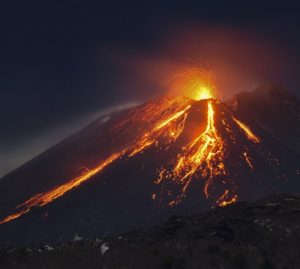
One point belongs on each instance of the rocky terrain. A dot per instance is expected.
(263, 234)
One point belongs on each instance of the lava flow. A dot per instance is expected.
(201, 157)
(247, 131)
(171, 126)
(160, 124)
(42, 199)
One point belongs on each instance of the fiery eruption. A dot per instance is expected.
(202, 157)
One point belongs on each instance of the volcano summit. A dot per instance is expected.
(168, 156)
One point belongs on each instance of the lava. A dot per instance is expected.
(171, 126)
(248, 161)
(247, 131)
(226, 199)
(173, 131)
(42, 199)
(203, 156)
(159, 124)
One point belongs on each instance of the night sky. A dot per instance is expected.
(64, 63)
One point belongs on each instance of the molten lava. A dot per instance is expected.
(201, 157)
(171, 126)
(42, 199)
(160, 124)
(247, 131)
(226, 199)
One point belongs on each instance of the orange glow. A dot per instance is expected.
(171, 126)
(194, 82)
(247, 159)
(168, 127)
(226, 200)
(15, 216)
(170, 119)
(42, 199)
(247, 131)
(203, 156)
(159, 124)
(203, 92)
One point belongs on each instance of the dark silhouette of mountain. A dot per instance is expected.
(275, 109)
(262, 234)
(172, 155)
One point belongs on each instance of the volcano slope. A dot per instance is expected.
(172, 155)
(276, 110)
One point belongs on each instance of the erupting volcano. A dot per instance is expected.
(180, 151)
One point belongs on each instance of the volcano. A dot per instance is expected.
(171, 155)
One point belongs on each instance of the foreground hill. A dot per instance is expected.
(263, 234)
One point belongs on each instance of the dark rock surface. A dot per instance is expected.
(263, 234)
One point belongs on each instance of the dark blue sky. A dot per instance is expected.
(57, 64)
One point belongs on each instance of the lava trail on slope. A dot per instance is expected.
(206, 156)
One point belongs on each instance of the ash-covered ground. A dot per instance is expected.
(263, 234)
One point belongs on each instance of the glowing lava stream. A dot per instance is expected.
(166, 127)
(225, 199)
(204, 156)
(42, 199)
(247, 131)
